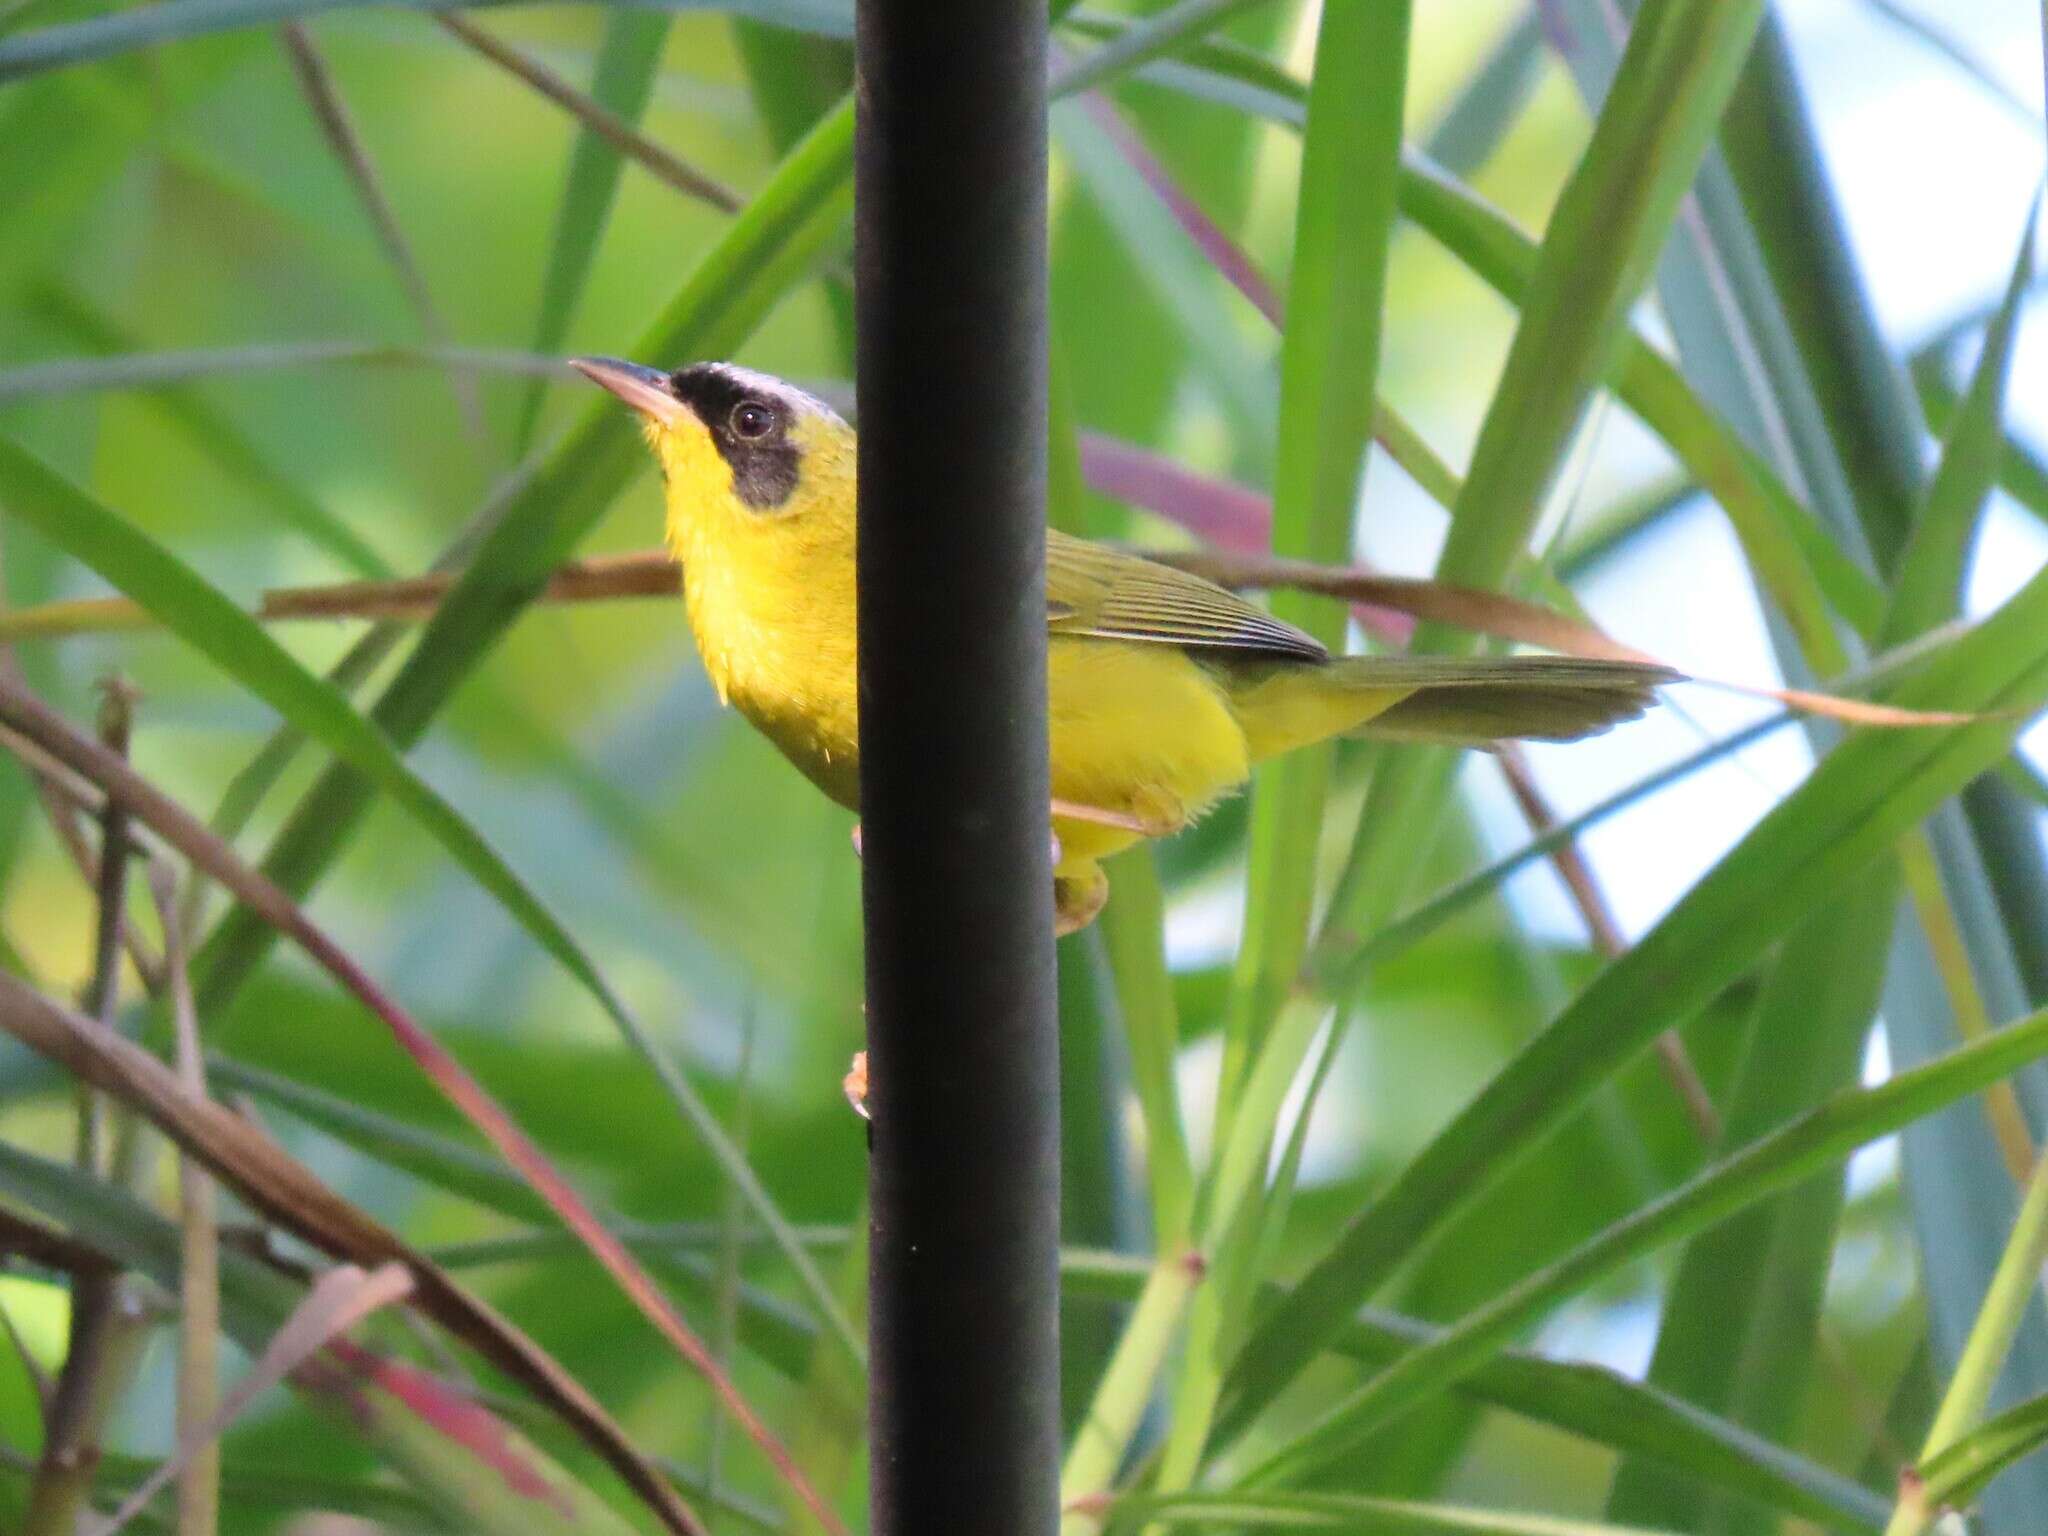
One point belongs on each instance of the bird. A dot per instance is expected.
(1164, 690)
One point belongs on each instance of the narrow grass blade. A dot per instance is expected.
(1607, 1408)
(2013, 1287)
(1354, 1512)
(248, 1162)
(1779, 535)
(1773, 153)
(1133, 931)
(1929, 588)
(1958, 1474)
(1739, 1325)
(627, 59)
(1813, 1142)
(1845, 816)
(1148, 38)
(1471, 128)
(455, 1451)
(1948, 48)
(1959, 1192)
(338, 1300)
(330, 111)
(166, 370)
(1104, 1434)
(594, 115)
(54, 1031)
(1329, 367)
(797, 79)
(1610, 222)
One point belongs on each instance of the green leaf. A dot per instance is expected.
(1133, 934)
(1957, 1475)
(1600, 1406)
(1607, 1408)
(1610, 222)
(1961, 1193)
(1845, 816)
(1329, 369)
(1774, 156)
(1352, 1512)
(627, 59)
(1738, 1332)
(797, 79)
(451, 1468)
(1470, 129)
(1794, 556)
(1929, 587)
(1147, 38)
(1813, 1142)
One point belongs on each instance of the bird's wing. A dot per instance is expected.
(1091, 590)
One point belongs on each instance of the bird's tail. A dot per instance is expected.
(1456, 700)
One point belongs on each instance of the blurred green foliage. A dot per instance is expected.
(182, 198)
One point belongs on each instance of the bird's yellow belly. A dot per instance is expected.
(1138, 731)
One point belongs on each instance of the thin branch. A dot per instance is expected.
(646, 573)
(108, 1322)
(102, 994)
(600, 120)
(21, 1238)
(199, 1271)
(68, 797)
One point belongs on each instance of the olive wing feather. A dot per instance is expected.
(1105, 593)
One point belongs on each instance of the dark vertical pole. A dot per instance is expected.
(950, 253)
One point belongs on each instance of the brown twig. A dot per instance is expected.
(21, 1238)
(283, 1189)
(68, 800)
(603, 122)
(108, 1322)
(199, 1258)
(110, 890)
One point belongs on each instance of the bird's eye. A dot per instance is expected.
(751, 419)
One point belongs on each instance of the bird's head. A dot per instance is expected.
(735, 446)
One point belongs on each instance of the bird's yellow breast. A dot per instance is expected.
(1136, 729)
(771, 604)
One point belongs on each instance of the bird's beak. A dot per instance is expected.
(644, 389)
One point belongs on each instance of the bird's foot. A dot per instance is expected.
(855, 1084)
(1162, 822)
(1077, 898)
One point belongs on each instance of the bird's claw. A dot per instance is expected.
(855, 1085)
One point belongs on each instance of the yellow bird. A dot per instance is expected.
(1165, 690)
